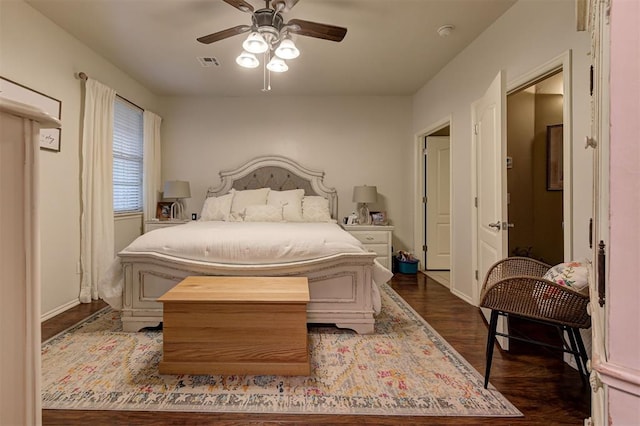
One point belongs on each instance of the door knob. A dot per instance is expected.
(496, 225)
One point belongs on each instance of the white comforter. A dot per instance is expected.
(242, 243)
(248, 242)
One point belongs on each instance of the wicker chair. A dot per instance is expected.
(514, 287)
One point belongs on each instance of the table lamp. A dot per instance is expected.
(363, 195)
(177, 190)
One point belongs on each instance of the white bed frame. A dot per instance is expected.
(340, 286)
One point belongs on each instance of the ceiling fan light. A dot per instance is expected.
(255, 43)
(277, 65)
(247, 60)
(287, 49)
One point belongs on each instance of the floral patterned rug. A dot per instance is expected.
(404, 368)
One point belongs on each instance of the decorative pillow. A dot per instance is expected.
(249, 197)
(289, 201)
(217, 208)
(263, 213)
(315, 209)
(573, 275)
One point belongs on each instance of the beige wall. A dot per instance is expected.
(37, 53)
(547, 205)
(525, 37)
(520, 136)
(355, 140)
(535, 212)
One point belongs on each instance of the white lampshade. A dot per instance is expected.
(287, 49)
(247, 60)
(177, 189)
(277, 65)
(255, 43)
(365, 194)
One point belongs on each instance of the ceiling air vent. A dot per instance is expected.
(208, 61)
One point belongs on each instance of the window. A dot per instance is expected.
(127, 157)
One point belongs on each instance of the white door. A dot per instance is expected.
(438, 203)
(489, 135)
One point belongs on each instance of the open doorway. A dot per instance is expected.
(437, 205)
(535, 187)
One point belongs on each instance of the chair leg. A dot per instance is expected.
(577, 353)
(583, 352)
(493, 324)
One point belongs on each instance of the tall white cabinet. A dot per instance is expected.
(20, 263)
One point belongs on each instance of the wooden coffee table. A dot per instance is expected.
(236, 325)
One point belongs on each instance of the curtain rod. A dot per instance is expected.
(83, 76)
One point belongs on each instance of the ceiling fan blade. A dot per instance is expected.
(220, 35)
(240, 5)
(283, 5)
(317, 30)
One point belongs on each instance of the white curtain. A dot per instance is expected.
(152, 182)
(96, 228)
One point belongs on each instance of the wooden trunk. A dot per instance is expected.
(236, 325)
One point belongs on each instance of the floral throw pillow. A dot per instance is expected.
(573, 275)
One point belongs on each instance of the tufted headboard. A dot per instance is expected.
(278, 173)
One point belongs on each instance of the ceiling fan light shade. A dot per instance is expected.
(247, 60)
(287, 49)
(255, 43)
(277, 65)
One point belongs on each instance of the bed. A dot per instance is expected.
(342, 274)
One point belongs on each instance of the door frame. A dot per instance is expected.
(419, 215)
(563, 62)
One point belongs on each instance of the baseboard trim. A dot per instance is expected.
(60, 309)
(462, 296)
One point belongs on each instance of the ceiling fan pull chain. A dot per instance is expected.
(266, 74)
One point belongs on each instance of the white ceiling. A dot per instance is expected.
(391, 48)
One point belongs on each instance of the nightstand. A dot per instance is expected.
(375, 239)
(150, 225)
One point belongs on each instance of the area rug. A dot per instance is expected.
(404, 368)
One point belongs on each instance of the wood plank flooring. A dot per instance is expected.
(536, 380)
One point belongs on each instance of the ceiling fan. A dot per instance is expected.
(270, 33)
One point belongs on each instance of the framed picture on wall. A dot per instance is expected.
(554, 158)
(49, 138)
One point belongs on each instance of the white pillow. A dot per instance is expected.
(217, 208)
(315, 209)
(248, 197)
(263, 213)
(289, 201)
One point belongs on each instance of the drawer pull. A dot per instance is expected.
(370, 238)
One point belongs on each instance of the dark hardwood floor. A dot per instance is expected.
(536, 380)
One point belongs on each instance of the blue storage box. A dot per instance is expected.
(407, 266)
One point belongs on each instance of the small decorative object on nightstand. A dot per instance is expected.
(376, 239)
(363, 195)
(150, 225)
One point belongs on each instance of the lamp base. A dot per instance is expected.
(364, 216)
(177, 210)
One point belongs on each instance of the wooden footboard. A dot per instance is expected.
(340, 286)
